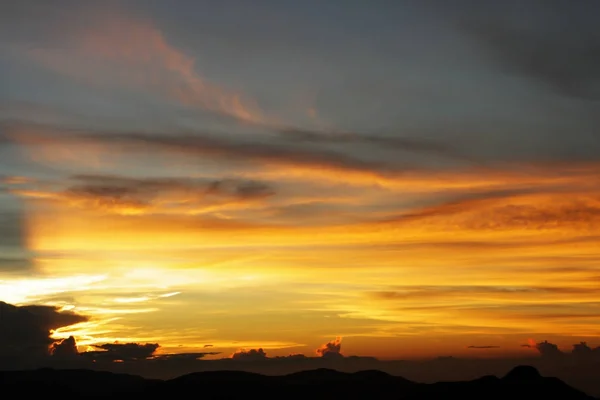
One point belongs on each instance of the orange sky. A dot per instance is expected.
(196, 214)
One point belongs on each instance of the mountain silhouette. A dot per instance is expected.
(522, 382)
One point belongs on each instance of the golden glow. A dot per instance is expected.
(499, 266)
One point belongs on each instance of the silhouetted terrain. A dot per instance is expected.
(522, 382)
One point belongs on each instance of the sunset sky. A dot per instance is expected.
(415, 177)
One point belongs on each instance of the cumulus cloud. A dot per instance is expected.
(331, 349)
(583, 353)
(64, 348)
(548, 350)
(250, 355)
(25, 330)
(123, 351)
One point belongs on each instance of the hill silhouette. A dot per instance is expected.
(521, 383)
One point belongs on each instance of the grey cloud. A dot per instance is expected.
(551, 48)
(195, 144)
(139, 191)
(12, 229)
(234, 149)
(397, 143)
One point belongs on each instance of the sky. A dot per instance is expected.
(417, 178)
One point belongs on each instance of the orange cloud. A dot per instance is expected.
(330, 348)
(121, 50)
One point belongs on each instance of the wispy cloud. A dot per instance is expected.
(120, 50)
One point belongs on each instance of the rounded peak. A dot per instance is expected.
(523, 373)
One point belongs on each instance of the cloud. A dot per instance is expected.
(208, 345)
(15, 257)
(145, 195)
(475, 292)
(249, 355)
(14, 180)
(483, 347)
(25, 330)
(123, 51)
(560, 54)
(548, 350)
(184, 356)
(64, 348)
(123, 351)
(522, 209)
(331, 349)
(263, 153)
(396, 143)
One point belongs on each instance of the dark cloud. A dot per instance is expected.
(397, 143)
(208, 345)
(233, 149)
(249, 355)
(140, 192)
(331, 349)
(64, 348)
(483, 347)
(548, 350)
(261, 149)
(25, 331)
(582, 353)
(123, 351)
(184, 356)
(554, 45)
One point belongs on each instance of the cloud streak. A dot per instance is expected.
(127, 195)
(122, 50)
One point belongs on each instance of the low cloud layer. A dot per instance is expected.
(124, 351)
(249, 355)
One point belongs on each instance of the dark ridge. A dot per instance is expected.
(521, 383)
(319, 374)
(218, 376)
